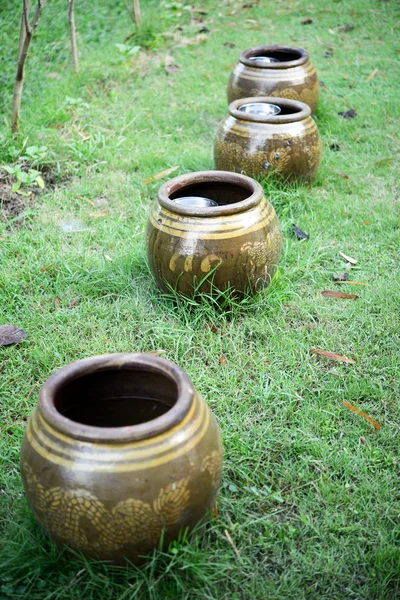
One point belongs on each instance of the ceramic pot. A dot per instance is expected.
(120, 450)
(291, 76)
(287, 145)
(234, 245)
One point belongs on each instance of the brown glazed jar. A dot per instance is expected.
(120, 449)
(291, 76)
(287, 145)
(234, 245)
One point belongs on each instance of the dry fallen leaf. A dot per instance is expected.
(342, 175)
(332, 356)
(362, 414)
(348, 114)
(340, 276)
(74, 302)
(46, 267)
(301, 235)
(9, 334)
(353, 282)
(353, 261)
(333, 294)
(363, 440)
(56, 303)
(160, 175)
(222, 360)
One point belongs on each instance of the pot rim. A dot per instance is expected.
(260, 50)
(116, 435)
(304, 110)
(179, 183)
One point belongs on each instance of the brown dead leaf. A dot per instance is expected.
(215, 510)
(372, 75)
(160, 175)
(46, 267)
(362, 414)
(363, 440)
(74, 302)
(342, 175)
(211, 327)
(333, 294)
(332, 356)
(353, 261)
(222, 360)
(9, 334)
(156, 352)
(56, 303)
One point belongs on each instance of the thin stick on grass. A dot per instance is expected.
(230, 540)
(26, 34)
(72, 29)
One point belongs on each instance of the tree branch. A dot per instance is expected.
(74, 48)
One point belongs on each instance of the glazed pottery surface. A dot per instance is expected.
(235, 245)
(120, 450)
(287, 145)
(293, 76)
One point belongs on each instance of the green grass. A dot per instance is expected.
(310, 491)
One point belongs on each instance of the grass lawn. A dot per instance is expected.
(309, 502)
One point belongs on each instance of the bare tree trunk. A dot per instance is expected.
(74, 48)
(136, 12)
(27, 30)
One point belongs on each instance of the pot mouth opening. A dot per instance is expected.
(280, 57)
(226, 192)
(289, 110)
(116, 398)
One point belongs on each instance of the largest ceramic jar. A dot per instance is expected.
(234, 245)
(290, 74)
(285, 145)
(120, 451)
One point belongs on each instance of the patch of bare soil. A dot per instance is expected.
(13, 204)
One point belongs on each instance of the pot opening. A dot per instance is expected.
(277, 54)
(221, 192)
(290, 110)
(116, 397)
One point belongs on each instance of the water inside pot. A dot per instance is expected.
(260, 108)
(195, 201)
(264, 60)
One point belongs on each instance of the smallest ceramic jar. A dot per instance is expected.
(279, 71)
(282, 140)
